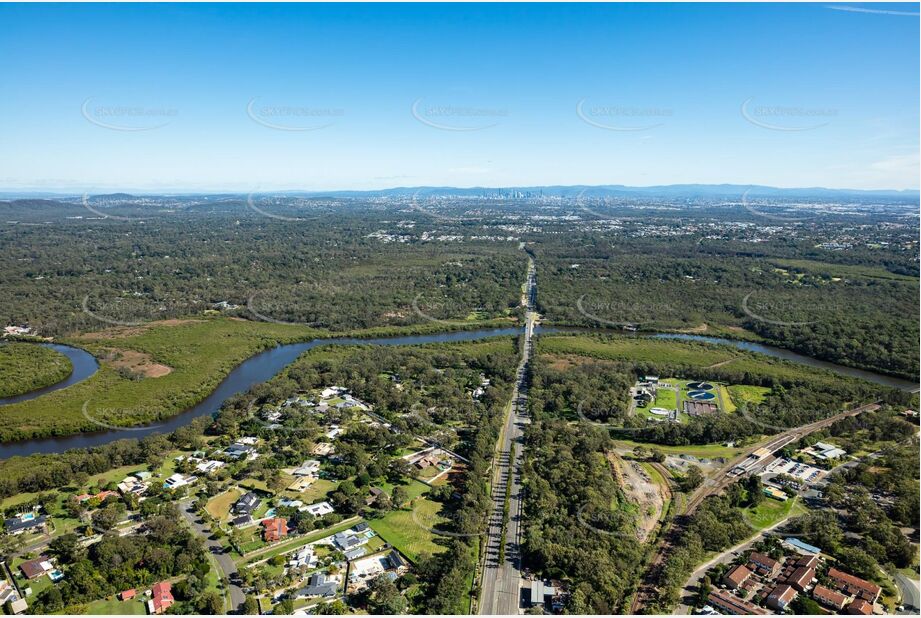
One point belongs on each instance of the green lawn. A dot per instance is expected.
(770, 511)
(400, 529)
(219, 506)
(113, 607)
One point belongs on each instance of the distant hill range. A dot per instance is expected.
(724, 191)
(686, 191)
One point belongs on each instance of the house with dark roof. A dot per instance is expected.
(246, 504)
(810, 561)
(25, 523)
(33, 569)
(318, 586)
(396, 560)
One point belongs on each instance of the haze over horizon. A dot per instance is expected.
(222, 98)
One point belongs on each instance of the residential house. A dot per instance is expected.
(304, 557)
(731, 604)
(737, 576)
(309, 468)
(100, 497)
(780, 597)
(318, 586)
(347, 540)
(207, 467)
(132, 485)
(320, 509)
(810, 561)
(241, 451)
(246, 504)
(33, 569)
(853, 585)
(178, 480)
(127, 595)
(374, 494)
(764, 564)
(829, 597)
(275, 529)
(161, 598)
(860, 607)
(25, 522)
(322, 449)
(801, 578)
(354, 554)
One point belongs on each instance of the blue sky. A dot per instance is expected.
(264, 97)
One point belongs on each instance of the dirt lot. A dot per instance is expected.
(137, 363)
(121, 332)
(640, 489)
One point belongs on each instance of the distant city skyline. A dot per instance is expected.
(239, 98)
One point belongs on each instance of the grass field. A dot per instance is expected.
(703, 451)
(771, 511)
(403, 530)
(219, 506)
(114, 607)
(315, 493)
(748, 394)
(25, 367)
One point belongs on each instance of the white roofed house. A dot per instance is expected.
(320, 509)
(309, 468)
(207, 467)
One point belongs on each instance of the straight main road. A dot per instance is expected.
(224, 562)
(501, 578)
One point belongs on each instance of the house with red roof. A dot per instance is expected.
(275, 529)
(161, 598)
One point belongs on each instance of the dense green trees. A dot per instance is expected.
(851, 308)
(25, 367)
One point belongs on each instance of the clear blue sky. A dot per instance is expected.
(785, 95)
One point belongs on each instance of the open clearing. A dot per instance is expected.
(640, 489)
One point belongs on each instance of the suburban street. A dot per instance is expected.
(224, 562)
(501, 578)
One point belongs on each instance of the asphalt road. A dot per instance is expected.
(501, 580)
(911, 597)
(224, 562)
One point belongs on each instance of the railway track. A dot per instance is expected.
(718, 482)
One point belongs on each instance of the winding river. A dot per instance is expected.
(264, 365)
(84, 366)
(257, 368)
(769, 350)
